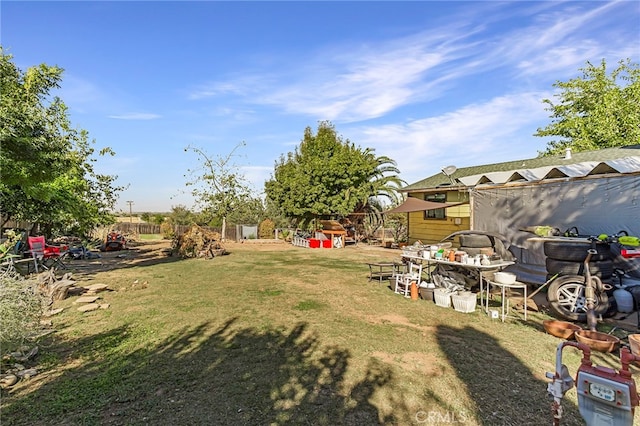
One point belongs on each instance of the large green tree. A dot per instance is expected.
(327, 175)
(47, 166)
(596, 110)
(34, 129)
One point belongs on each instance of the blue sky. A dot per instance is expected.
(428, 84)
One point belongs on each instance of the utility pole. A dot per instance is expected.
(130, 212)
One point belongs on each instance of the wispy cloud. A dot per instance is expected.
(427, 144)
(352, 83)
(364, 88)
(559, 41)
(136, 116)
(242, 85)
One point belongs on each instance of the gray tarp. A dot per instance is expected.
(598, 205)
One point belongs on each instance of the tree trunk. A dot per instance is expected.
(223, 232)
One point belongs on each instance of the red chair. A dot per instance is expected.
(45, 255)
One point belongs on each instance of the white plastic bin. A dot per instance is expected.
(464, 302)
(442, 297)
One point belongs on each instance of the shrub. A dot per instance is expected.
(166, 229)
(266, 229)
(21, 308)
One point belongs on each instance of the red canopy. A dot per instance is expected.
(412, 204)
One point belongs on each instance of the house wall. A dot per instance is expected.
(429, 231)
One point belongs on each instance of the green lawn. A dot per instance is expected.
(271, 335)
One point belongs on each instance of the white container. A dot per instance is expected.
(504, 278)
(464, 302)
(442, 297)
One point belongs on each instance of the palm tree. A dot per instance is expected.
(383, 183)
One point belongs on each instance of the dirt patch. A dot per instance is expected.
(136, 254)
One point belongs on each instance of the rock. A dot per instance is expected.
(85, 299)
(97, 288)
(89, 307)
(25, 374)
(53, 312)
(75, 291)
(8, 380)
(104, 306)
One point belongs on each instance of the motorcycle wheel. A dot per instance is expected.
(566, 299)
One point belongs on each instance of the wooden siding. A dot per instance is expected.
(434, 230)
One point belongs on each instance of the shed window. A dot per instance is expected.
(437, 213)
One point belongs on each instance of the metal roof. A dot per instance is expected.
(580, 164)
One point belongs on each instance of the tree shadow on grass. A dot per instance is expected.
(498, 383)
(112, 261)
(201, 376)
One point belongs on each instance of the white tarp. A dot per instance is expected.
(586, 168)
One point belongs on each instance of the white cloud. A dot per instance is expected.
(350, 83)
(241, 85)
(474, 134)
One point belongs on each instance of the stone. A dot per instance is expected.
(89, 307)
(8, 380)
(86, 299)
(53, 312)
(104, 306)
(25, 374)
(96, 288)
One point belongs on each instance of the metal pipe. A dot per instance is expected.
(589, 291)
